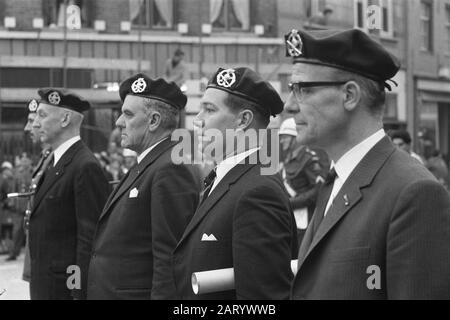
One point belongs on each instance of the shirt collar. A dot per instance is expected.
(59, 152)
(348, 162)
(229, 163)
(147, 151)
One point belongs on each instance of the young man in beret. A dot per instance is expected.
(244, 220)
(148, 211)
(381, 228)
(68, 200)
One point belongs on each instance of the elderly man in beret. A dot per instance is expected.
(244, 220)
(148, 211)
(68, 200)
(38, 170)
(381, 228)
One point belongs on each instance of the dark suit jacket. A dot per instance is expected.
(136, 236)
(251, 218)
(65, 212)
(396, 218)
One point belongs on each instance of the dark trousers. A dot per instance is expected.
(18, 238)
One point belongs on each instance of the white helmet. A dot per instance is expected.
(288, 127)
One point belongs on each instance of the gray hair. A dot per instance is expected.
(373, 93)
(170, 116)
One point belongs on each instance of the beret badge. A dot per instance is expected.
(226, 78)
(294, 44)
(54, 98)
(32, 106)
(139, 86)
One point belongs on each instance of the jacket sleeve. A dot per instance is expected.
(91, 191)
(263, 238)
(418, 251)
(174, 198)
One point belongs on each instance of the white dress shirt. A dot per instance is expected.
(229, 163)
(147, 151)
(59, 152)
(349, 161)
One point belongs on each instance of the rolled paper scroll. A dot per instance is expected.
(219, 280)
(20, 195)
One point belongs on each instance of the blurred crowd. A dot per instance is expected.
(303, 169)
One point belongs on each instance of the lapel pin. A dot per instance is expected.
(346, 201)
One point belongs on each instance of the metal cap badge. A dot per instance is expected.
(226, 78)
(33, 105)
(54, 98)
(294, 44)
(139, 86)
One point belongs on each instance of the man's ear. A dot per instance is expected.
(154, 121)
(352, 95)
(66, 119)
(245, 118)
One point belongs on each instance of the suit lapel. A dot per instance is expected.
(42, 159)
(348, 196)
(53, 174)
(136, 172)
(221, 189)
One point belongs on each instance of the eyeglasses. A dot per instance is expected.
(298, 88)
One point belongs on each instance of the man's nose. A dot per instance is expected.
(35, 124)
(119, 122)
(198, 121)
(291, 105)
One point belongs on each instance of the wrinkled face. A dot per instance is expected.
(214, 114)
(401, 144)
(29, 128)
(133, 123)
(318, 111)
(48, 123)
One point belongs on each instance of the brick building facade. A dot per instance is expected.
(119, 37)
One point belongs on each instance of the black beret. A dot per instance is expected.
(350, 50)
(142, 86)
(247, 84)
(58, 97)
(32, 106)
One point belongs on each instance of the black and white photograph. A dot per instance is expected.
(192, 151)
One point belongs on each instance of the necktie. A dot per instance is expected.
(208, 183)
(46, 166)
(324, 195)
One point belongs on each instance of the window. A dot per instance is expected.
(151, 13)
(447, 28)
(387, 18)
(315, 7)
(426, 18)
(77, 17)
(360, 14)
(230, 14)
(390, 111)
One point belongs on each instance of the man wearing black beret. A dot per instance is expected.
(381, 227)
(68, 200)
(244, 220)
(42, 164)
(148, 211)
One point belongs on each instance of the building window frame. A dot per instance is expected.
(447, 28)
(52, 14)
(426, 20)
(387, 18)
(360, 14)
(225, 14)
(148, 21)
